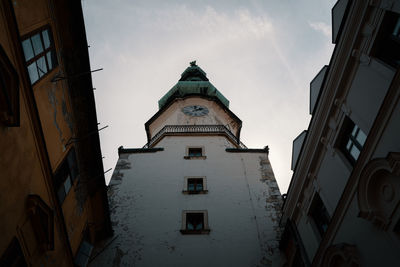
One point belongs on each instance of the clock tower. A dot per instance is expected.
(193, 106)
(194, 194)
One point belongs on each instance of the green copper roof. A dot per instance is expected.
(193, 81)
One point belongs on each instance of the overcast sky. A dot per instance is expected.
(261, 55)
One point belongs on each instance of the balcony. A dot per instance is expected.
(194, 129)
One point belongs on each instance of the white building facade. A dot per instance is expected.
(343, 204)
(194, 195)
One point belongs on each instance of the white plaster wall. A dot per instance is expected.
(146, 204)
(390, 138)
(367, 92)
(375, 247)
(332, 178)
(308, 235)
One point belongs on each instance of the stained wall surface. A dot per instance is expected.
(146, 202)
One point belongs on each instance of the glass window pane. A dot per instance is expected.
(191, 187)
(354, 152)
(190, 226)
(81, 260)
(61, 194)
(49, 60)
(67, 184)
(354, 132)
(195, 152)
(199, 226)
(199, 187)
(33, 74)
(396, 30)
(361, 137)
(28, 51)
(37, 44)
(46, 39)
(85, 248)
(73, 167)
(348, 146)
(41, 64)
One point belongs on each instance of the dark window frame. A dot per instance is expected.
(192, 219)
(42, 220)
(195, 152)
(9, 92)
(51, 50)
(195, 182)
(396, 228)
(349, 140)
(66, 175)
(387, 45)
(85, 250)
(13, 255)
(319, 215)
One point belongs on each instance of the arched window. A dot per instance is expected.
(379, 191)
(41, 217)
(341, 255)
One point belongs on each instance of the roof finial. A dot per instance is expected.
(193, 63)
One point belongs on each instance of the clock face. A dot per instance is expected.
(195, 111)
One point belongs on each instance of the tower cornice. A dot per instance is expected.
(206, 97)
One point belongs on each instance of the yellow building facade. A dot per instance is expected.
(53, 203)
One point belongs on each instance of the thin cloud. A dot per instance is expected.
(216, 24)
(257, 59)
(322, 27)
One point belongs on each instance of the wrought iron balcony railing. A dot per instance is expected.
(178, 129)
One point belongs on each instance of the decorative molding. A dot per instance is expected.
(332, 124)
(337, 102)
(346, 109)
(42, 219)
(386, 4)
(316, 185)
(360, 56)
(356, 53)
(324, 141)
(379, 190)
(341, 255)
(327, 145)
(365, 59)
(383, 4)
(368, 30)
(193, 129)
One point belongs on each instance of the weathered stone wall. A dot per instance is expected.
(146, 202)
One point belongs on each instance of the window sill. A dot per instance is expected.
(202, 192)
(194, 157)
(195, 232)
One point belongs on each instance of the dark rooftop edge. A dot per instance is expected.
(122, 150)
